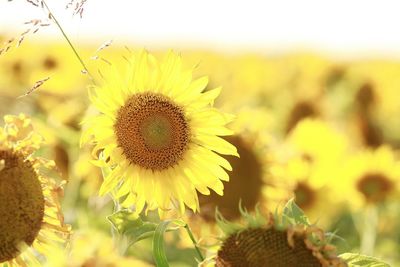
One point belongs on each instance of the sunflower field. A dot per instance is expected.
(116, 155)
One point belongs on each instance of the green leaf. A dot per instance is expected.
(293, 215)
(131, 225)
(357, 260)
(158, 245)
(158, 241)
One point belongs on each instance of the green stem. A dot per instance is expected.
(189, 231)
(368, 237)
(68, 40)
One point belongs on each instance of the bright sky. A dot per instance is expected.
(342, 26)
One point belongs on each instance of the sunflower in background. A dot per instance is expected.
(57, 61)
(15, 69)
(306, 168)
(375, 101)
(62, 100)
(32, 221)
(159, 134)
(371, 177)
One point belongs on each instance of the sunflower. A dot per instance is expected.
(370, 177)
(32, 221)
(54, 60)
(159, 133)
(265, 241)
(305, 166)
(299, 178)
(15, 69)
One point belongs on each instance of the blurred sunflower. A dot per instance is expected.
(371, 177)
(55, 61)
(305, 166)
(159, 134)
(32, 221)
(249, 172)
(15, 69)
(265, 241)
(378, 86)
(298, 178)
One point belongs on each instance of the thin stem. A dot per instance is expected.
(194, 242)
(368, 236)
(51, 15)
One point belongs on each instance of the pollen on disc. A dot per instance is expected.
(21, 204)
(152, 131)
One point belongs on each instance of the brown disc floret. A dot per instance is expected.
(152, 131)
(21, 204)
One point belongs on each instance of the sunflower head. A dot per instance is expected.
(370, 176)
(272, 241)
(158, 134)
(305, 175)
(29, 208)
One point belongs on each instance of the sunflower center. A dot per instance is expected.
(49, 63)
(304, 195)
(264, 247)
(245, 184)
(152, 131)
(374, 186)
(21, 204)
